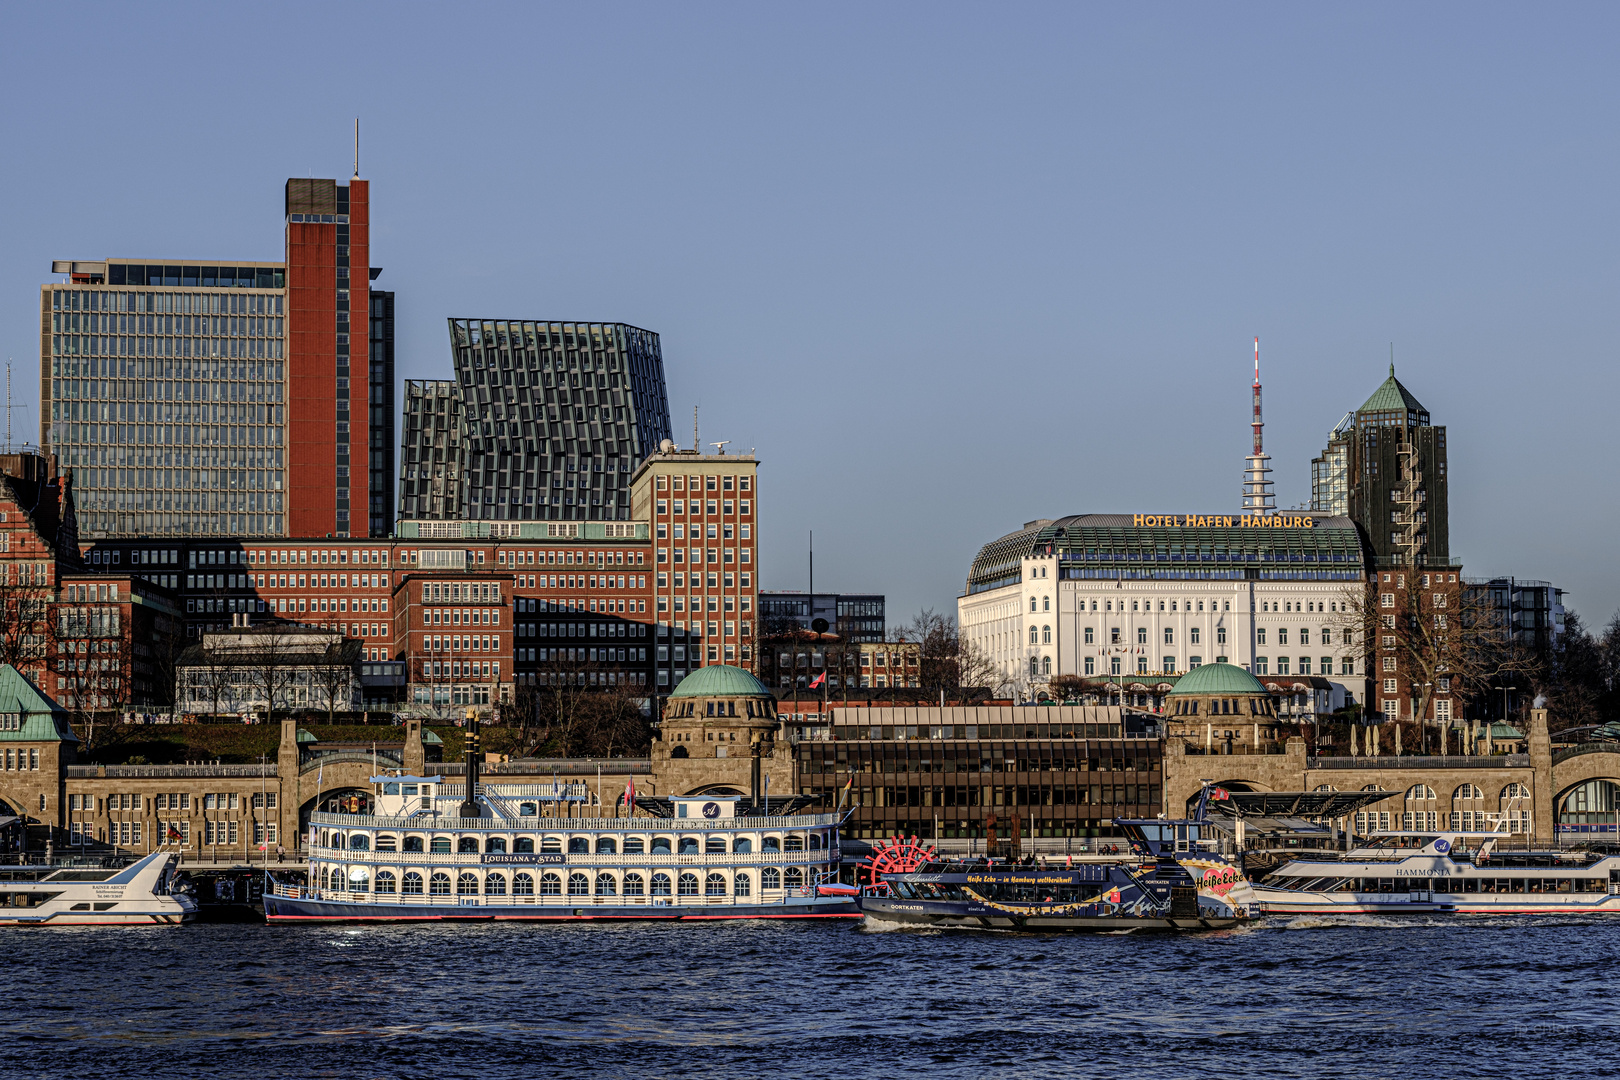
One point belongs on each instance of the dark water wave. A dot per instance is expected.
(1362, 998)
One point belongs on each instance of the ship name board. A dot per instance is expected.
(530, 860)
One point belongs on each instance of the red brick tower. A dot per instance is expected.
(328, 305)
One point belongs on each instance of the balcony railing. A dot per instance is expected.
(471, 859)
(442, 823)
(84, 772)
(1419, 761)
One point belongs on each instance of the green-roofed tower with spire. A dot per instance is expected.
(1385, 467)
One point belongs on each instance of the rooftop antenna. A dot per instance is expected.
(720, 446)
(1392, 359)
(357, 148)
(1257, 495)
(694, 429)
(8, 405)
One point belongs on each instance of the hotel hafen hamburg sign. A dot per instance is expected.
(1223, 521)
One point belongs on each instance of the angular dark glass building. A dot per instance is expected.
(555, 416)
(430, 480)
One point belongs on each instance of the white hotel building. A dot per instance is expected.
(1134, 598)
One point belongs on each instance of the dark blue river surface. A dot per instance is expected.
(1283, 998)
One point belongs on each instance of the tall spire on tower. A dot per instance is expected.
(1257, 495)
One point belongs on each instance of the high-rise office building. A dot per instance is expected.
(328, 291)
(194, 396)
(554, 418)
(1385, 466)
(163, 386)
(704, 587)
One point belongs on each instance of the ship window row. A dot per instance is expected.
(1518, 885)
(576, 845)
(551, 883)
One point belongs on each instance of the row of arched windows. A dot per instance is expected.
(577, 845)
(359, 880)
(1465, 793)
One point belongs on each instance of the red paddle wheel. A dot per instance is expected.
(897, 855)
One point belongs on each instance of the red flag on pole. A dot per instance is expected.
(818, 680)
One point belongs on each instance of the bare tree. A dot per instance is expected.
(1426, 635)
(947, 660)
(580, 706)
(26, 634)
(334, 675)
(275, 659)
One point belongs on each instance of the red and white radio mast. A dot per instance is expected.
(1257, 494)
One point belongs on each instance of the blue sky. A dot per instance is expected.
(946, 267)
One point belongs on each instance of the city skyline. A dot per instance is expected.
(1138, 231)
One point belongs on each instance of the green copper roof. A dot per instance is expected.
(721, 680)
(1392, 397)
(304, 737)
(1216, 679)
(40, 719)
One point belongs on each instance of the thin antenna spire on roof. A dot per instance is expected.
(1257, 495)
(694, 429)
(1392, 359)
(357, 148)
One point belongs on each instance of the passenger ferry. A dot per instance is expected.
(430, 853)
(1174, 881)
(1415, 873)
(146, 892)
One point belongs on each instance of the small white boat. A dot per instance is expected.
(143, 893)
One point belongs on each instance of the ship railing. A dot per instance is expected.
(558, 824)
(561, 900)
(403, 858)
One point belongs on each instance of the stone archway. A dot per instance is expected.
(344, 800)
(1588, 809)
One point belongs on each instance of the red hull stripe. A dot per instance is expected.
(537, 918)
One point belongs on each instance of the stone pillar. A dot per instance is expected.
(414, 757)
(287, 777)
(1541, 789)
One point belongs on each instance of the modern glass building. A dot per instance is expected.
(555, 416)
(430, 480)
(164, 388)
(194, 397)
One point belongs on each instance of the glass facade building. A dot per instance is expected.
(554, 418)
(193, 398)
(164, 388)
(430, 475)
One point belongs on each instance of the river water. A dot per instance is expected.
(1357, 998)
